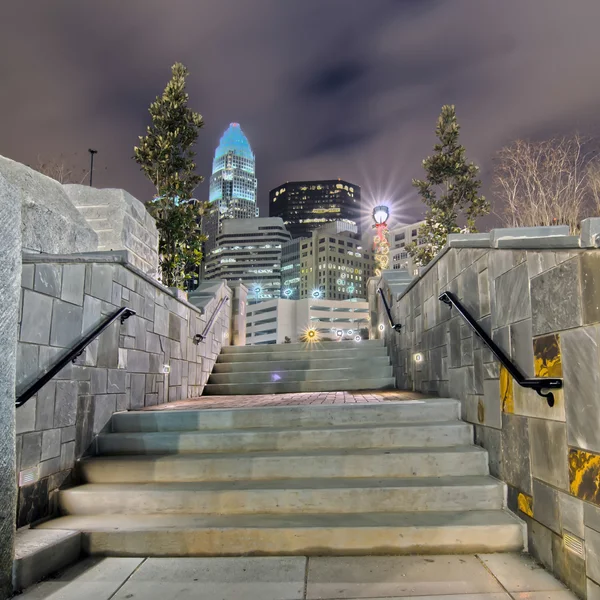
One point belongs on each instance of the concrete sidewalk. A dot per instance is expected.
(459, 577)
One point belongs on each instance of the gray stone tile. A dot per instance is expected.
(549, 452)
(499, 262)
(48, 279)
(521, 345)
(104, 407)
(50, 443)
(478, 372)
(92, 312)
(25, 416)
(568, 567)
(138, 361)
(27, 364)
(540, 261)
(138, 389)
(161, 320)
(68, 434)
(108, 344)
(581, 371)
(251, 578)
(512, 301)
(502, 339)
(545, 506)
(518, 573)
(540, 543)
(27, 272)
(31, 449)
(591, 516)
(590, 286)
(116, 381)
(592, 551)
(555, 299)
(67, 322)
(454, 342)
(571, 514)
(492, 408)
(102, 278)
(67, 456)
(466, 351)
(72, 284)
(515, 467)
(49, 467)
(37, 316)
(491, 440)
(98, 381)
(65, 406)
(389, 576)
(484, 293)
(44, 410)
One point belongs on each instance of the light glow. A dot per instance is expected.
(418, 357)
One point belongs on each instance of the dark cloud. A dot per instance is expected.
(323, 88)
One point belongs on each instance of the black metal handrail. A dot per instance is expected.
(200, 337)
(123, 313)
(397, 327)
(542, 385)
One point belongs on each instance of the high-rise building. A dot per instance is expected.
(307, 205)
(232, 183)
(401, 236)
(249, 250)
(331, 264)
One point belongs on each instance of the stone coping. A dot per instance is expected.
(117, 257)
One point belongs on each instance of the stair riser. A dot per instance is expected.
(350, 385)
(283, 501)
(284, 417)
(347, 345)
(268, 375)
(306, 365)
(383, 437)
(268, 356)
(175, 469)
(315, 541)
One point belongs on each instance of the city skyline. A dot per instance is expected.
(358, 102)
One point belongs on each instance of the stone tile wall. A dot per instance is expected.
(543, 308)
(63, 298)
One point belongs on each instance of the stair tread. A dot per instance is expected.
(346, 427)
(290, 484)
(284, 454)
(133, 522)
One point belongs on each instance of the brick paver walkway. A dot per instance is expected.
(361, 397)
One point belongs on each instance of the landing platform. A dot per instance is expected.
(297, 399)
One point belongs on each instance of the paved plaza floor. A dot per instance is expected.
(459, 577)
(244, 401)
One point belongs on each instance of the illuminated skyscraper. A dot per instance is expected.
(232, 183)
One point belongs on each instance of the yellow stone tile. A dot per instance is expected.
(525, 503)
(584, 475)
(547, 357)
(506, 391)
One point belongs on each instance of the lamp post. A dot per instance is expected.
(92, 152)
(381, 215)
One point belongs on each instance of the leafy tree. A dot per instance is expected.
(165, 155)
(450, 190)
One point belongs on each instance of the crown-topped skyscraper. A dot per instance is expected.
(232, 183)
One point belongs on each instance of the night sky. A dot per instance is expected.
(322, 88)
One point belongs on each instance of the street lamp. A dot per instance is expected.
(92, 152)
(381, 214)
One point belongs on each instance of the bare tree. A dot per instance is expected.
(593, 174)
(61, 170)
(545, 183)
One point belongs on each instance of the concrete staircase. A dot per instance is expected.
(315, 367)
(388, 478)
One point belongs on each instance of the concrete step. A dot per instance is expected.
(445, 434)
(302, 535)
(350, 344)
(305, 496)
(297, 387)
(268, 355)
(365, 370)
(295, 364)
(327, 464)
(410, 411)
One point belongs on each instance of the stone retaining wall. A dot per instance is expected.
(64, 297)
(539, 299)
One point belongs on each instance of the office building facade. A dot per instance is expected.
(249, 250)
(232, 183)
(272, 321)
(400, 237)
(331, 264)
(307, 205)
